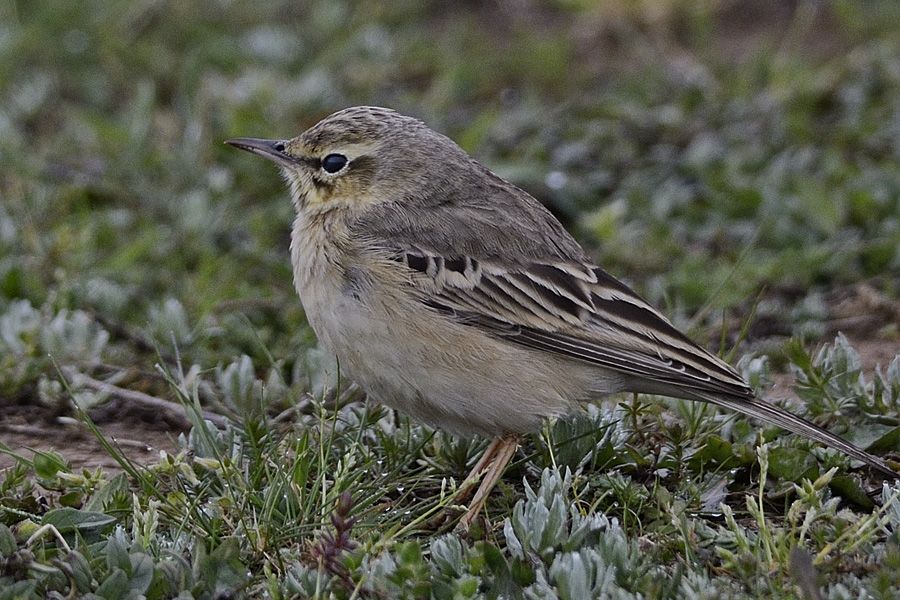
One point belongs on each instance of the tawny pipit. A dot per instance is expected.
(455, 297)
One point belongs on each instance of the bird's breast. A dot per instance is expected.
(411, 357)
(317, 261)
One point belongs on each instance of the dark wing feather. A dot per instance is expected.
(510, 269)
(577, 311)
(583, 313)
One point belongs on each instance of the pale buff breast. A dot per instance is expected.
(415, 360)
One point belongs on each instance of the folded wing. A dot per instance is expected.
(573, 309)
(579, 311)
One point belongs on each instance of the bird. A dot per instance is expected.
(457, 298)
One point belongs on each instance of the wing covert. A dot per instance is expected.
(572, 309)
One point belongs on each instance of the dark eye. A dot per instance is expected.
(334, 163)
(278, 146)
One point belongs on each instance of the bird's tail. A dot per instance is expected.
(770, 413)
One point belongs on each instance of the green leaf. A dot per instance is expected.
(80, 570)
(522, 572)
(888, 442)
(848, 488)
(717, 451)
(410, 553)
(105, 494)
(73, 499)
(467, 586)
(115, 586)
(791, 464)
(141, 573)
(797, 353)
(221, 570)
(19, 590)
(67, 520)
(7, 542)
(494, 559)
(503, 584)
(117, 555)
(48, 464)
(168, 577)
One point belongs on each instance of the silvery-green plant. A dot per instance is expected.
(581, 574)
(547, 522)
(73, 336)
(32, 340)
(886, 389)
(246, 394)
(106, 296)
(65, 335)
(168, 323)
(833, 380)
(755, 370)
(240, 389)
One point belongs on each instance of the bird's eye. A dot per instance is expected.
(334, 163)
(278, 146)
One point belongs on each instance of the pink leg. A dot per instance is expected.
(502, 450)
(474, 475)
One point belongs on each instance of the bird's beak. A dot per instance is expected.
(271, 149)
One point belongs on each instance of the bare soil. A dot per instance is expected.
(33, 428)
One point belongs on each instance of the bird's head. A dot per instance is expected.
(360, 156)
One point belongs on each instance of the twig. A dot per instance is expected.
(171, 409)
(23, 429)
(41, 432)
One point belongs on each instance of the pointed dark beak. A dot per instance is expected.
(271, 149)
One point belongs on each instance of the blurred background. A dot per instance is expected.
(737, 162)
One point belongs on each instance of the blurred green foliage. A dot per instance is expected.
(774, 168)
(724, 157)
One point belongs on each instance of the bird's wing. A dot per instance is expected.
(581, 312)
(510, 268)
(572, 309)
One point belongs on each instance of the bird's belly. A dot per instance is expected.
(448, 375)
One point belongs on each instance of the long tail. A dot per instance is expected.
(770, 413)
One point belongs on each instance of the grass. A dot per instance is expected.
(340, 503)
(755, 169)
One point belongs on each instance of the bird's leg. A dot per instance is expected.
(465, 489)
(502, 450)
(468, 484)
